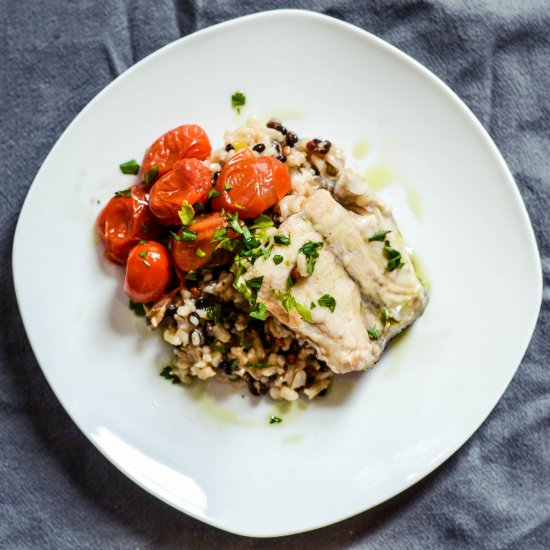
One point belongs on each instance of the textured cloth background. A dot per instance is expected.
(56, 490)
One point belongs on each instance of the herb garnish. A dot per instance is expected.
(282, 239)
(187, 236)
(373, 333)
(258, 365)
(275, 419)
(304, 312)
(228, 187)
(151, 175)
(129, 167)
(277, 259)
(125, 193)
(137, 308)
(168, 373)
(238, 100)
(260, 312)
(327, 301)
(143, 254)
(379, 235)
(192, 276)
(186, 213)
(200, 253)
(394, 257)
(262, 222)
(310, 251)
(213, 193)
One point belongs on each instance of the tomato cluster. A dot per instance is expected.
(143, 228)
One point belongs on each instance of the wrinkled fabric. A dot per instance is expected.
(56, 490)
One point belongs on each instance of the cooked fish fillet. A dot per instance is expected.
(372, 302)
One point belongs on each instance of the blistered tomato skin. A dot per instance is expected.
(189, 180)
(184, 254)
(148, 272)
(124, 222)
(187, 141)
(250, 185)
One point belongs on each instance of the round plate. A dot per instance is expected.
(213, 454)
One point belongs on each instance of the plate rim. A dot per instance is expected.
(496, 157)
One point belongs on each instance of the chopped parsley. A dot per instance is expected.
(192, 276)
(258, 365)
(200, 253)
(143, 254)
(255, 283)
(275, 419)
(213, 193)
(379, 235)
(260, 312)
(238, 100)
(137, 308)
(277, 259)
(394, 257)
(262, 222)
(313, 305)
(129, 167)
(228, 187)
(187, 236)
(282, 239)
(168, 373)
(304, 312)
(151, 175)
(327, 301)
(125, 193)
(373, 333)
(310, 251)
(186, 213)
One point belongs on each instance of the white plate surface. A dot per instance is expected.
(213, 455)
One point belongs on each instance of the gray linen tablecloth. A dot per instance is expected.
(56, 490)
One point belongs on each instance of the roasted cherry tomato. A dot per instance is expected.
(187, 141)
(125, 221)
(147, 272)
(189, 180)
(202, 251)
(249, 185)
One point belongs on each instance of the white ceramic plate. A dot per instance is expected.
(214, 455)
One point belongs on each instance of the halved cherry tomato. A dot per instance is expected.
(202, 252)
(190, 180)
(125, 221)
(249, 185)
(187, 141)
(147, 272)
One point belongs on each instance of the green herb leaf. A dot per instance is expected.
(313, 305)
(187, 213)
(282, 239)
(125, 193)
(129, 167)
(151, 175)
(262, 222)
(275, 419)
(200, 253)
(143, 254)
(255, 283)
(287, 300)
(238, 100)
(310, 251)
(137, 308)
(168, 373)
(258, 365)
(193, 276)
(379, 235)
(277, 259)
(259, 312)
(214, 312)
(304, 312)
(394, 257)
(327, 301)
(186, 235)
(373, 333)
(228, 187)
(213, 193)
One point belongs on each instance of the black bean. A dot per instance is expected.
(201, 303)
(282, 158)
(325, 147)
(229, 147)
(277, 146)
(197, 337)
(283, 130)
(259, 148)
(291, 139)
(215, 177)
(225, 366)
